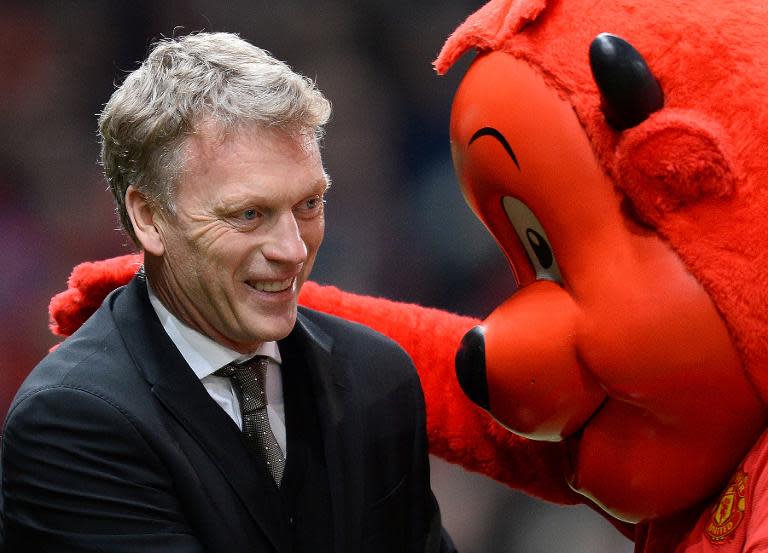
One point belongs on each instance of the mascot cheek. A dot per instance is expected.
(673, 160)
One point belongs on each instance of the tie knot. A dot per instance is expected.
(249, 379)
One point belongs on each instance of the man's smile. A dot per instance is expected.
(271, 285)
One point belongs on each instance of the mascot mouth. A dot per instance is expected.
(573, 443)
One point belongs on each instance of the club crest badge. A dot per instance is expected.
(728, 512)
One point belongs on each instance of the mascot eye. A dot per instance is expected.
(534, 239)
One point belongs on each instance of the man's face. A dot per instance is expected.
(249, 220)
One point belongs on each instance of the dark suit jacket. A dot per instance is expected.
(113, 444)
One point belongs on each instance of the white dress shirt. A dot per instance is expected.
(205, 357)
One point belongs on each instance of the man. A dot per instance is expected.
(144, 431)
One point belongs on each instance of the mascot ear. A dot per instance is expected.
(673, 160)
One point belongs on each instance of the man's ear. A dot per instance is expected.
(673, 160)
(142, 217)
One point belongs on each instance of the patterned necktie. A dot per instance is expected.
(249, 379)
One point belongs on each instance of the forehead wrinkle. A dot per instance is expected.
(320, 186)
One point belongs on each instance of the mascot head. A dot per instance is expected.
(617, 150)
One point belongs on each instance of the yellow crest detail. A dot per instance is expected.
(728, 512)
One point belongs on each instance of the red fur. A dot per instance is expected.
(674, 160)
(88, 285)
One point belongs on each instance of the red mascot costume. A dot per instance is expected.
(617, 152)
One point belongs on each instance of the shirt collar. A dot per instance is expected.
(203, 355)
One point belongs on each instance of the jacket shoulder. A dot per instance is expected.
(345, 333)
(374, 362)
(94, 360)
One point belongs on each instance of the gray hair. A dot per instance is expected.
(185, 81)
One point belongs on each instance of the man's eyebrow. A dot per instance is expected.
(490, 131)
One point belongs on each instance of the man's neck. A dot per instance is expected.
(203, 354)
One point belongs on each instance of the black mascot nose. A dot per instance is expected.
(470, 367)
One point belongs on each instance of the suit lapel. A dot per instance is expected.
(180, 391)
(341, 427)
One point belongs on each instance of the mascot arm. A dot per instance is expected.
(458, 431)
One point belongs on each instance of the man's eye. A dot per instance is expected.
(245, 219)
(311, 206)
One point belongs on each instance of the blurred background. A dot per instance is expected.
(397, 225)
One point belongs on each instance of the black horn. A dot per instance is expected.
(629, 91)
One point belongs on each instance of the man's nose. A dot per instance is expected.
(285, 244)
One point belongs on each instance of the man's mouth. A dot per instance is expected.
(271, 285)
